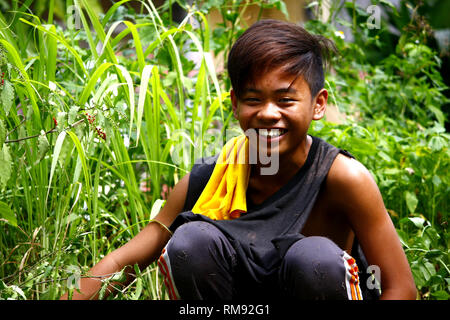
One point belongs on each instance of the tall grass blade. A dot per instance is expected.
(145, 76)
(56, 152)
(82, 157)
(89, 88)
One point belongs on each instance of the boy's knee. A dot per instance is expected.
(314, 268)
(313, 250)
(201, 261)
(191, 239)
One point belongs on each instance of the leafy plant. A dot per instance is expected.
(393, 123)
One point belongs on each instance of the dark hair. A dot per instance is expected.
(271, 43)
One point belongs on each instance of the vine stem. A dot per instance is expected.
(22, 122)
(47, 132)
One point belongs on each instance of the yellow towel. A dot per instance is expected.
(224, 195)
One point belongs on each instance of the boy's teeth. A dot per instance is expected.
(270, 132)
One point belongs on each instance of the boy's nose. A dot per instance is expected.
(269, 112)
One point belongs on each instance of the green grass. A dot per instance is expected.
(80, 196)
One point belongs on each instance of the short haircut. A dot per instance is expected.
(269, 44)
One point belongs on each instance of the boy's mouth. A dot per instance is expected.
(271, 133)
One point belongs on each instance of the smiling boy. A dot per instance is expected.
(306, 229)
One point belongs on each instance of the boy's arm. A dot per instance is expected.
(355, 192)
(143, 249)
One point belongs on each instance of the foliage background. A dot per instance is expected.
(102, 113)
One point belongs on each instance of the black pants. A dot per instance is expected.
(200, 263)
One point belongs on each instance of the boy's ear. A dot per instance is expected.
(234, 103)
(320, 104)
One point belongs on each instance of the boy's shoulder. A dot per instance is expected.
(348, 181)
(348, 170)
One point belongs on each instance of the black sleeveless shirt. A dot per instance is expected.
(265, 232)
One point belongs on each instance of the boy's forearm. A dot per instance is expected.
(90, 287)
(399, 294)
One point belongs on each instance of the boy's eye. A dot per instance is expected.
(251, 99)
(286, 100)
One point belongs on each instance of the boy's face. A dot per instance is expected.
(280, 108)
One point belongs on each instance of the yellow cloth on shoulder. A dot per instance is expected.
(224, 196)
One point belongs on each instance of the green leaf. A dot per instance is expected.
(3, 286)
(418, 222)
(391, 171)
(120, 276)
(441, 295)
(438, 113)
(16, 59)
(61, 119)
(138, 291)
(71, 217)
(433, 253)
(89, 88)
(156, 208)
(436, 180)
(2, 133)
(7, 96)
(52, 54)
(427, 270)
(432, 235)
(43, 145)
(5, 166)
(18, 291)
(385, 156)
(436, 143)
(280, 5)
(7, 215)
(388, 3)
(82, 158)
(403, 237)
(411, 201)
(142, 94)
(101, 294)
(73, 113)
(419, 278)
(129, 81)
(56, 152)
